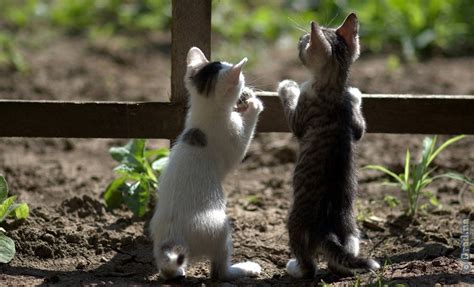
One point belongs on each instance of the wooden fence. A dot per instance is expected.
(191, 26)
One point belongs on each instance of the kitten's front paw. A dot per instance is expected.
(288, 88)
(254, 106)
(356, 96)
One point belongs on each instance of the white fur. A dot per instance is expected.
(191, 204)
(352, 245)
(293, 269)
(356, 96)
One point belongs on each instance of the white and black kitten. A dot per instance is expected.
(190, 220)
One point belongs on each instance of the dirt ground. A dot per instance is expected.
(71, 239)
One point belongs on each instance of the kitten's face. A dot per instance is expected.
(323, 46)
(217, 83)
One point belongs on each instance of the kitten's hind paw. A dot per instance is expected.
(293, 269)
(373, 265)
(244, 269)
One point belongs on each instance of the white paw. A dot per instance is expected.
(255, 106)
(293, 269)
(356, 95)
(374, 265)
(352, 245)
(247, 269)
(288, 87)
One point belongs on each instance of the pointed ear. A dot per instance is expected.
(196, 58)
(349, 31)
(317, 39)
(234, 72)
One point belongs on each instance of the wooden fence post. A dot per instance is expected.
(191, 26)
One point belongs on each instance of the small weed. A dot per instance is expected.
(391, 201)
(10, 56)
(254, 200)
(138, 174)
(417, 177)
(8, 208)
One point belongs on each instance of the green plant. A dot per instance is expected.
(417, 176)
(8, 207)
(137, 179)
(10, 55)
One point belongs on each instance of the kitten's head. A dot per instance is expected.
(214, 83)
(326, 50)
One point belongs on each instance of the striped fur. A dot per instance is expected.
(324, 114)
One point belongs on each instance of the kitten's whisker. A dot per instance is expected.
(329, 24)
(298, 26)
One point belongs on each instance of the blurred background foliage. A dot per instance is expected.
(409, 30)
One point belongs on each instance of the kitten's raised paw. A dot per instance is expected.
(254, 105)
(288, 90)
(356, 95)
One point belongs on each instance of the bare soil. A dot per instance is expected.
(71, 239)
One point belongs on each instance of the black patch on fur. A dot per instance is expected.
(195, 137)
(205, 79)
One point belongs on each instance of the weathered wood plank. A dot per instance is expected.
(412, 114)
(384, 114)
(89, 119)
(191, 26)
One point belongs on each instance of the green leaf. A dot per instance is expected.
(7, 248)
(131, 154)
(149, 172)
(113, 194)
(3, 188)
(456, 176)
(391, 201)
(386, 171)
(21, 210)
(445, 145)
(434, 201)
(6, 207)
(160, 164)
(156, 154)
(137, 198)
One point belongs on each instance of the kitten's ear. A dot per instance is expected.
(317, 39)
(349, 31)
(234, 72)
(196, 58)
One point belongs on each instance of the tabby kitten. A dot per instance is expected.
(325, 116)
(190, 221)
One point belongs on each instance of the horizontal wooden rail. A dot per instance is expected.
(90, 119)
(419, 114)
(400, 114)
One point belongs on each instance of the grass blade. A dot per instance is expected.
(407, 169)
(386, 171)
(445, 145)
(456, 176)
